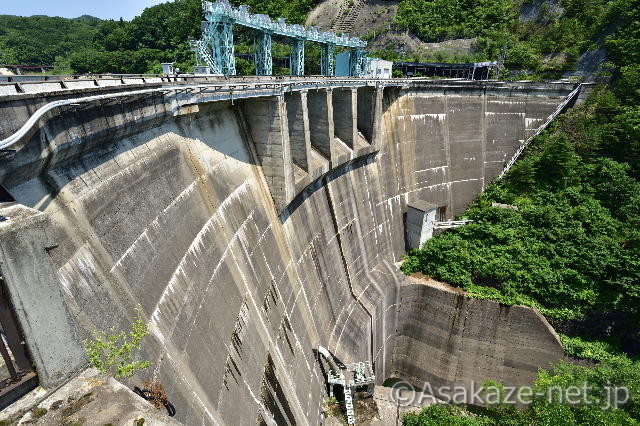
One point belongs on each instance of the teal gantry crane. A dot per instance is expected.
(215, 48)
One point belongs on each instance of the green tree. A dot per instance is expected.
(558, 163)
(112, 353)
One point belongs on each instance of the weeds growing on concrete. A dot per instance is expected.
(112, 353)
(333, 408)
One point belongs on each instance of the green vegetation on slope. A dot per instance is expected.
(572, 249)
(159, 34)
(438, 20)
(547, 46)
(38, 40)
(573, 246)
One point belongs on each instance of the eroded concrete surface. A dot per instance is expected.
(242, 270)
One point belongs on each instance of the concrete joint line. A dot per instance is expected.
(344, 263)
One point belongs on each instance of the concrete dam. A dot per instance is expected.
(254, 221)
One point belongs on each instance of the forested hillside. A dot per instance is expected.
(87, 44)
(572, 249)
(547, 45)
(159, 34)
(38, 40)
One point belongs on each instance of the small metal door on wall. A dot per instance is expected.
(442, 213)
(16, 371)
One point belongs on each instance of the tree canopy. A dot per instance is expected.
(38, 40)
(548, 45)
(87, 44)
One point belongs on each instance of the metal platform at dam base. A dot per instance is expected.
(253, 221)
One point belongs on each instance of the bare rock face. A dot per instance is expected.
(539, 10)
(373, 20)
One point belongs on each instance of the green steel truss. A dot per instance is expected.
(216, 46)
(357, 62)
(328, 60)
(262, 53)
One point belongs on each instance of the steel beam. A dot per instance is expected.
(216, 47)
(204, 51)
(296, 57)
(328, 60)
(223, 44)
(262, 53)
(357, 62)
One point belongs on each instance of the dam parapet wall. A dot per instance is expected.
(253, 225)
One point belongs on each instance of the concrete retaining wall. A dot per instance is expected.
(240, 276)
(447, 339)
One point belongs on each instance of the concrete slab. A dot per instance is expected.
(88, 399)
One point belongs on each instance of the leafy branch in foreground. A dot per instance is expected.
(112, 353)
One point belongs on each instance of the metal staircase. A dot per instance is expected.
(347, 16)
(544, 125)
(204, 55)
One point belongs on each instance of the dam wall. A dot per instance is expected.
(253, 226)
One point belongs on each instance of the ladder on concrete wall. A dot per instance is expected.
(522, 147)
(347, 16)
(16, 372)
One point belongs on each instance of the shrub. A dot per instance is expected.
(112, 353)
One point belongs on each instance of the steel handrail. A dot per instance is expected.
(539, 130)
(17, 136)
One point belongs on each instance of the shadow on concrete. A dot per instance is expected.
(105, 130)
(324, 180)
